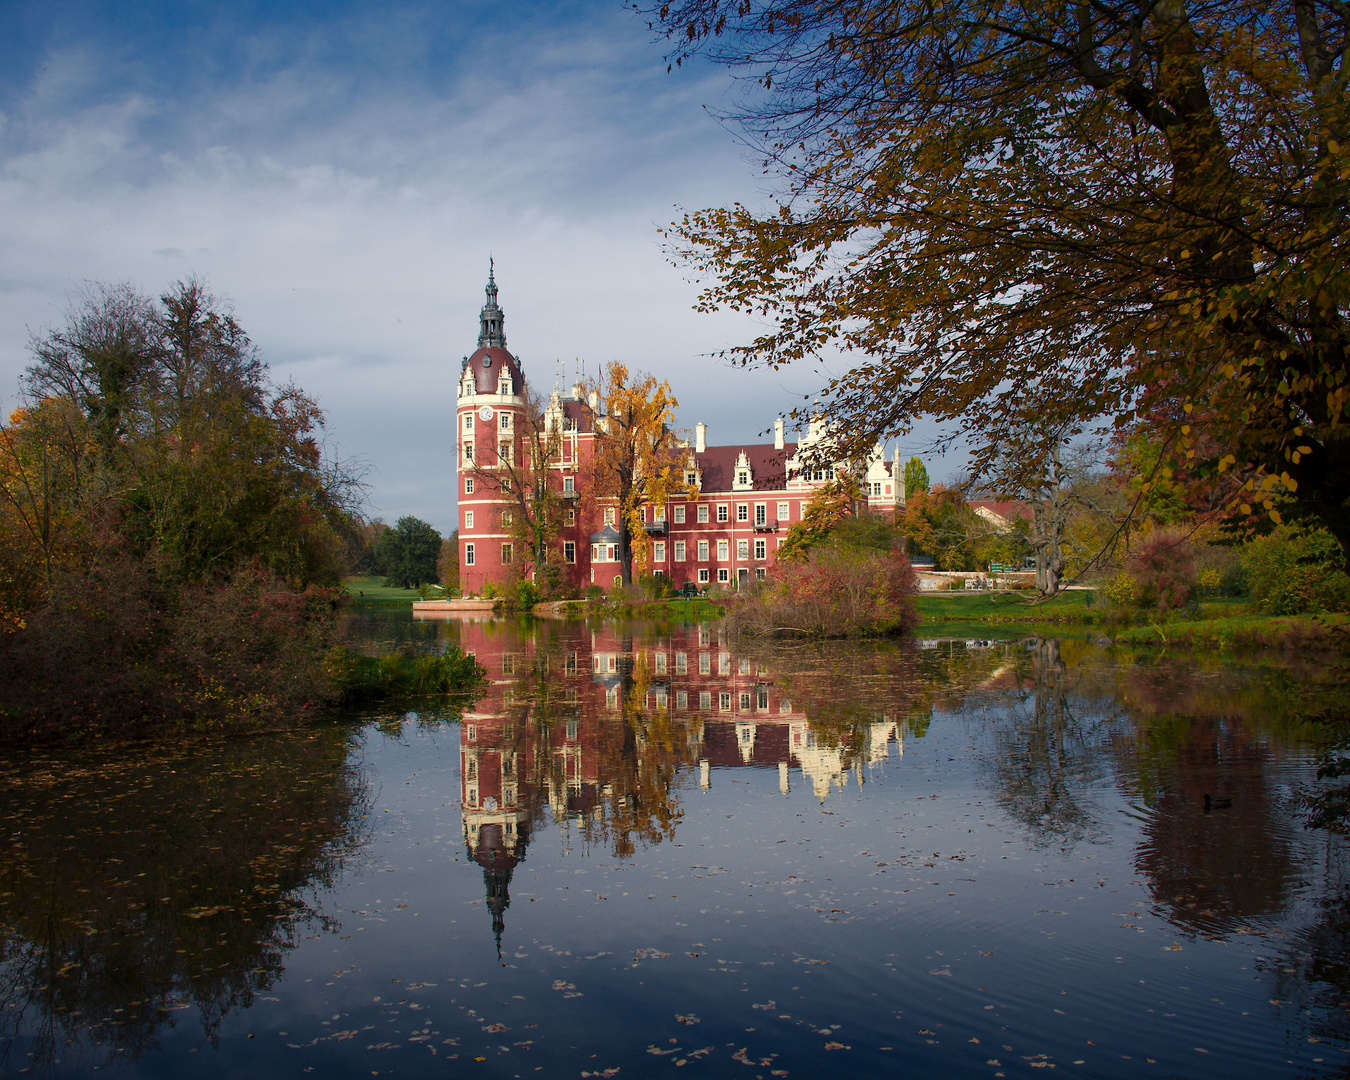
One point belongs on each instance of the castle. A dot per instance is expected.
(749, 494)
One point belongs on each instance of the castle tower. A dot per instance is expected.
(491, 403)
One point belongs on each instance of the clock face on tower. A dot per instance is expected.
(485, 413)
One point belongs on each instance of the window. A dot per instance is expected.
(468, 554)
(679, 515)
(504, 389)
(659, 551)
(569, 485)
(723, 663)
(703, 577)
(818, 474)
(595, 552)
(506, 554)
(742, 549)
(762, 700)
(742, 477)
(504, 453)
(468, 453)
(468, 519)
(506, 518)
(705, 699)
(743, 666)
(703, 513)
(468, 421)
(724, 575)
(468, 485)
(784, 511)
(703, 551)
(759, 573)
(569, 551)
(659, 513)
(679, 551)
(691, 478)
(506, 485)
(506, 421)
(609, 515)
(761, 514)
(704, 664)
(759, 549)
(681, 663)
(724, 701)
(723, 547)
(722, 512)
(681, 700)
(742, 511)
(745, 704)
(570, 517)
(659, 663)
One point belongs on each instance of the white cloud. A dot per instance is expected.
(350, 220)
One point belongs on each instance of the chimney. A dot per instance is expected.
(700, 438)
(595, 401)
(778, 434)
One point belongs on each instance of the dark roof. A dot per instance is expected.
(487, 365)
(580, 413)
(768, 465)
(608, 535)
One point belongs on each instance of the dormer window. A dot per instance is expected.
(691, 478)
(504, 389)
(742, 477)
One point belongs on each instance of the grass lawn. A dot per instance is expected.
(1005, 607)
(376, 592)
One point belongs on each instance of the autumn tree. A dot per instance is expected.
(1008, 213)
(638, 458)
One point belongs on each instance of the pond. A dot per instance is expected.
(651, 852)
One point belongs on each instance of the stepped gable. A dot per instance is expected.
(768, 465)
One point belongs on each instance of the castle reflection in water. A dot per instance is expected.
(580, 725)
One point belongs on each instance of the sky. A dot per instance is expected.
(342, 172)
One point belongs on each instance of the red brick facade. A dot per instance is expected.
(749, 493)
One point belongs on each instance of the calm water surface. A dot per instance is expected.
(653, 854)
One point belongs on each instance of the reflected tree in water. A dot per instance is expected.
(1047, 732)
(140, 888)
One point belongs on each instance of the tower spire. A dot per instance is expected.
(491, 328)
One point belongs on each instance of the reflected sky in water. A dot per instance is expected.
(644, 852)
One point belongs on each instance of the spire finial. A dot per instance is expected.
(491, 321)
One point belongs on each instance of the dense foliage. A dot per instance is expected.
(172, 535)
(1028, 219)
(409, 553)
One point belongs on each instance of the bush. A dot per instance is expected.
(122, 649)
(358, 679)
(1294, 570)
(1163, 565)
(834, 592)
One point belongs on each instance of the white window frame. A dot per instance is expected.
(723, 576)
(658, 551)
(569, 551)
(723, 512)
(742, 511)
(703, 551)
(761, 549)
(468, 485)
(703, 515)
(679, 515)
(679, 550)
(784, 511)
(468, 554)
(742, 550)
(703, 576)
(468, 519)
(723, 550)
(508, 553)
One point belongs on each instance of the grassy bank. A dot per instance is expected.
(373, 590)
(658, 610)
(1220, 623)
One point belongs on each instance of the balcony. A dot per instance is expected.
(656, 528)
(766, 526)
